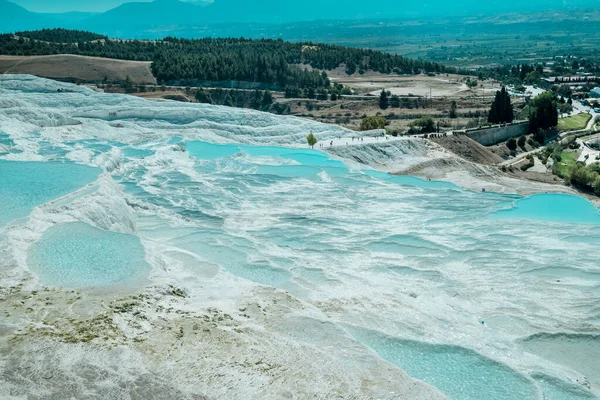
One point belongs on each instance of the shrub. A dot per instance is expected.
(370, 123)
(530, 164)
(585, 177)
(426, 123)
(511, 144)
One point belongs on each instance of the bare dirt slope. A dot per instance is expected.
(81, 68)
(443, 85)
(468, 149)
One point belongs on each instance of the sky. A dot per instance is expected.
(52, 6)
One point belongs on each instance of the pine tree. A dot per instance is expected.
(267, 99)
(228, 101)
(256, 99)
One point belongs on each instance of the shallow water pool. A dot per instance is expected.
(458, 372)
(25, 185)
(77, 255)
(554, 208)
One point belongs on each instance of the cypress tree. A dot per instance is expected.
(501, 110)
(383, 100)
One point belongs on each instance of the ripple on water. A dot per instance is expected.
(566, 272)
(458, 372)
(410, 245)
(79, 255)
(580, 352)
(407, 180)
(556, 389)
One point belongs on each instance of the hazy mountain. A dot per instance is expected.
(70, 17)
(196, 18)
(14, 17)
(136, 15)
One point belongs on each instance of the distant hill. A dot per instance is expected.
(162, 17)
(60, 35)
(131, 17)
(14, 17)
(70, 17)
(185, 62)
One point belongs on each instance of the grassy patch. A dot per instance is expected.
(574, 122)
(567, 160)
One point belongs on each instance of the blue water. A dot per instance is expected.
(459, 373)
(6, 140)
(51, 151)
(411, 180)
(309, 163)
(458, 280)
(297, 219)
(137, 153)
(554, 208)
(208, 151)
(78, 255)
(25, 185)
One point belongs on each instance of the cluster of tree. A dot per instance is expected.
(569, 65)
(586, 177)
(533, 73)
(472, 83)
(370, 123)
(59, 35)
(544, 113)
(515, 74)
(361, 61)
(501, 111)
(266, 61)
(425, 124)
(119, 49)
(512, 143)
(257, 99)
(334, 92)
(191, 61)
(564, 95)
(387, 100)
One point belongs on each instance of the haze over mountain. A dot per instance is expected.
(155, 19)
(45, 6)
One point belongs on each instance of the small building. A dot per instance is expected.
(595, 93)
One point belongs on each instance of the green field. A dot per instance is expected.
(469, 42)
(574, 122)
(568, 159)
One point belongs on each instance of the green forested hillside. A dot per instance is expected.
(273, 62)
(60, 35)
